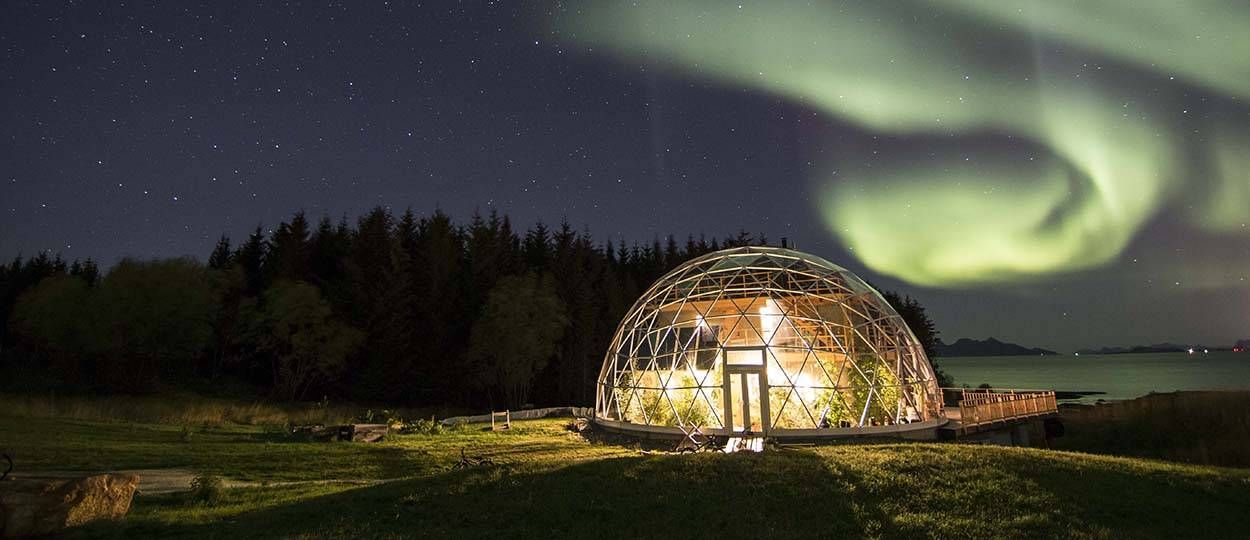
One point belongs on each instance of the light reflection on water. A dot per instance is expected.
(1121, 376)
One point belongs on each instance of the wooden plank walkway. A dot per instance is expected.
(982, 409)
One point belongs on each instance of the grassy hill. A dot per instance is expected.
(552, 483)
(1205, 428)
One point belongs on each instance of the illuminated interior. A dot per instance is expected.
(765, 340)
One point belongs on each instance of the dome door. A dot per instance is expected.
(746, 390)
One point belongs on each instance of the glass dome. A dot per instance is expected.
(767, 341)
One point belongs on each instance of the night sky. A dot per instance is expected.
(1059, 174)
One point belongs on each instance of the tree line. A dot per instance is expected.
(401, 310)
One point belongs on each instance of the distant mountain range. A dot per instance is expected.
(994, 347)
(1166, 348)
(1156, 348)
(987, 347)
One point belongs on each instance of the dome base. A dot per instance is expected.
(926, 430)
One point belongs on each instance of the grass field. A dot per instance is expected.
(549, 482)
(1205, 428)
(186, 409)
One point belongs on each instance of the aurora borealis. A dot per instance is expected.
(1087, 97)
(1060, 174)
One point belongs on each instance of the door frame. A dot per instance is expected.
(745, 370)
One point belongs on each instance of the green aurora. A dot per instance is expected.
(1097, 88)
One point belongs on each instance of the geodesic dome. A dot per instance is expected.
(769, 341)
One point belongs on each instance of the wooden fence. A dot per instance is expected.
(528, 414)
(988, 406)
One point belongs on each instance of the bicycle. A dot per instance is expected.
(696, 441)
(467, 461)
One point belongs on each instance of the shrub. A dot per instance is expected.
(278, 430)
(381, 416)
(423, 426)
(206, 489)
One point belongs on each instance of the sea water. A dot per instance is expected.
(1119, 376)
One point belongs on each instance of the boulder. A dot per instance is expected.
(364, 432)
(44, 506)
(316, 432)
(348, 432)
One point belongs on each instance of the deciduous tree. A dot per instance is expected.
(516, 335)
(306, 345)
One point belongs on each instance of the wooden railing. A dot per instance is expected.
(987, 406)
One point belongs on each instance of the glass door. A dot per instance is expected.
(746, 391)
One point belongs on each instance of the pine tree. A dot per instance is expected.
(328, 249)
(672, 256)
(537, 247)
(406, 232)
(375, 276)
(90, 272)
(251, 259)
(289, 251)
(913, 313)
(221, 257)
(443, 318)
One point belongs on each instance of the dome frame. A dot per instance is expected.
(765, 341)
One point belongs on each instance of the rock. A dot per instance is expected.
(316, 432)
(364, 432)
(43, 506)
(348, 432)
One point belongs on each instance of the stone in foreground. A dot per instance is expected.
(44, 506)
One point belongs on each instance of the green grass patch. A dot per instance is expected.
(551, 483)
(188, 409)
(1206, 428)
